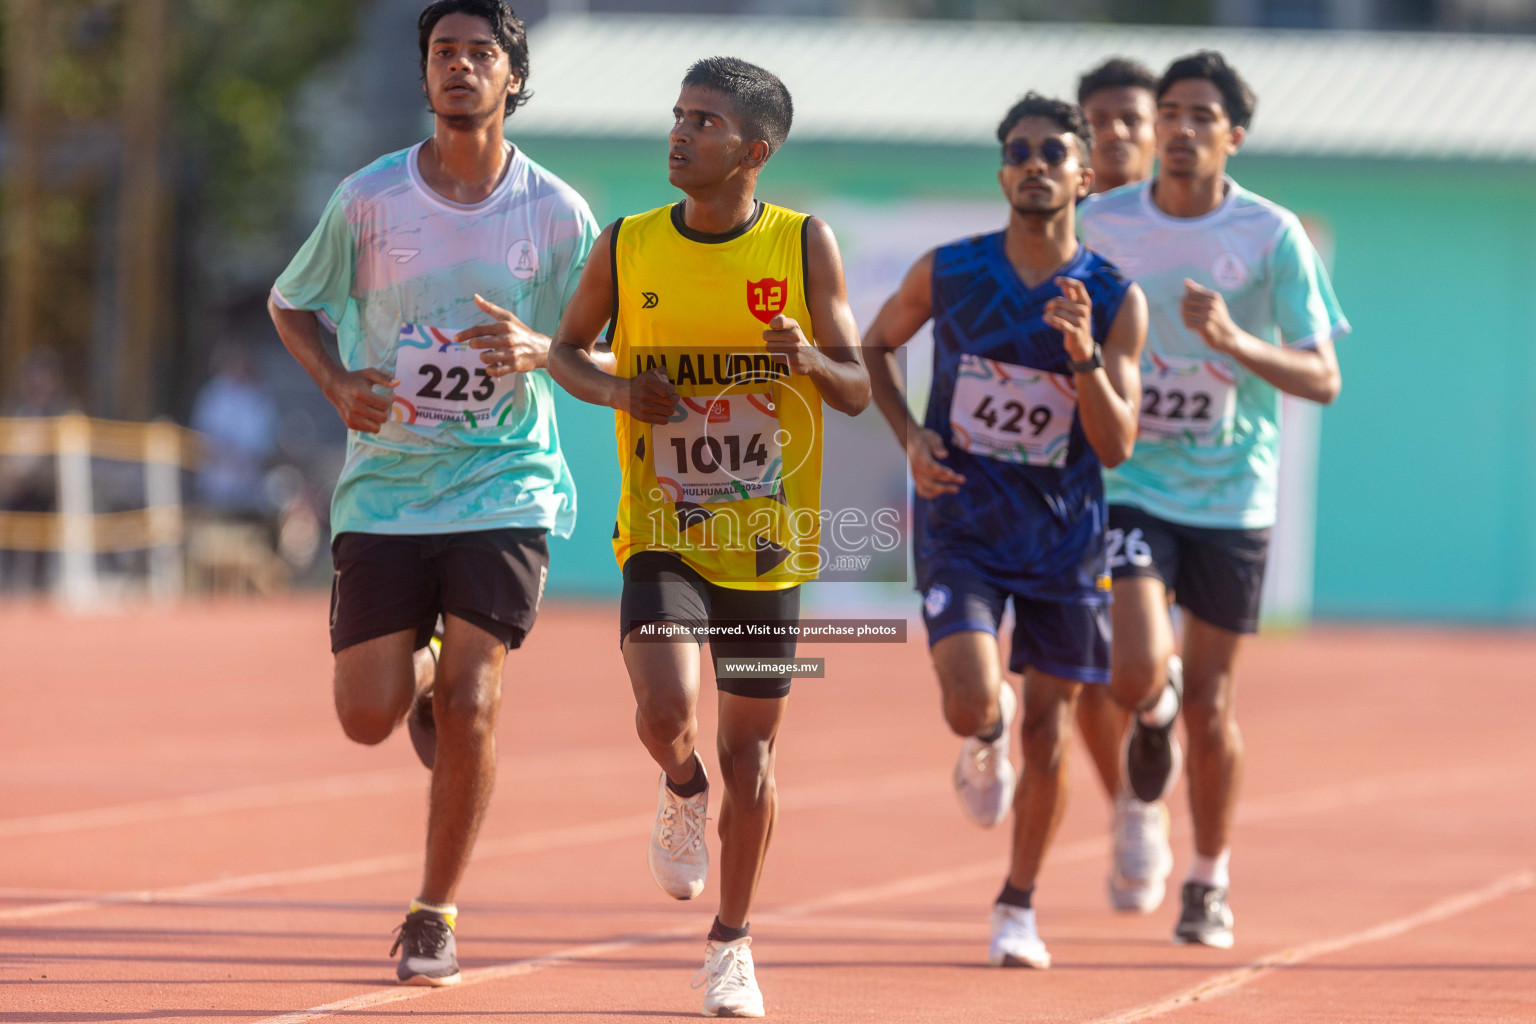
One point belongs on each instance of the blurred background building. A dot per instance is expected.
(161, 159)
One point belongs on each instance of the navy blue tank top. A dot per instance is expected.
(1034, 530)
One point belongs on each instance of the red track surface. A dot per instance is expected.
(185, 835)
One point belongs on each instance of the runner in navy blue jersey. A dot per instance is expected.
(1036, 384)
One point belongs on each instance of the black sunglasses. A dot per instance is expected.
(1052, 151)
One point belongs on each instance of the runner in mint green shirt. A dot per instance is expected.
(443, 269)
(1240, 309)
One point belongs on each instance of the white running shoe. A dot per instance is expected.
(984, 777)
(678, 857)
(1143, 857)
(1015, 943)
(729, 981)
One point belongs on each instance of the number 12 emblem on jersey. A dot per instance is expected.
(766, 298)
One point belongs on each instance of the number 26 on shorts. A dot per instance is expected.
(1127, 549)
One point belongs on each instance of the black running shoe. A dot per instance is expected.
(428, 955)
(1152, 755)
(1206, 920)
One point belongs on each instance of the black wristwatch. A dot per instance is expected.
(1088, 365)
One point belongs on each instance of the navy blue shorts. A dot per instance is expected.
(1069, 639)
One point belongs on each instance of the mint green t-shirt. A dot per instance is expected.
(1208, 450)
(393, 268)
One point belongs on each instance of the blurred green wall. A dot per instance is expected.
(1427, 475)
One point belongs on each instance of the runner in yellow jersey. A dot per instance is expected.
(729, 326)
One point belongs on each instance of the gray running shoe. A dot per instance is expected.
(1152, 755)
(1206, 920)
(428, 955)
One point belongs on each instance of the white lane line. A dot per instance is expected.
(694, 928)
(900, 786)
(1354, 793)
(1306, 801)
(1336, 796)
(572, 954)
(335, 787)
(1221, 984)
(565, 764)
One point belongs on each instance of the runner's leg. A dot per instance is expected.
(970, 673)
(1215, 758)
(465, 702)
(1041, 798)
(374, 684)
(665, 678)
(981, 706)
(748, 729)
(1143, 641)
(1103, 722)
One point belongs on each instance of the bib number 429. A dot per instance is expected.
(1006, 417)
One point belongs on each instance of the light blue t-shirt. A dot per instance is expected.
(393, 268)
(1208, 451)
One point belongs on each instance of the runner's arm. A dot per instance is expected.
(839, 375)
(351, 392)
(1109, 397)
(903, 314)
(586, 371)
(1310, 373)
(575, 362)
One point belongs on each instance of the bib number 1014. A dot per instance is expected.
(709, 453)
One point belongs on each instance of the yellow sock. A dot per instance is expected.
(447, 911)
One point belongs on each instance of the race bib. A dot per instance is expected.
(445, 382)
(1195, 399)
(1012, 413)
(719, 449)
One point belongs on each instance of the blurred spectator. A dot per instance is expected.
(29, 482)
(237, 417)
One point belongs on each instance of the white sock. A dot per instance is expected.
(1212, 870)
(1159, 715)
(447, 911)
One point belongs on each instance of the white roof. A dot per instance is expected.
(1320, 93)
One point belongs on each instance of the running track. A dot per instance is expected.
(185, 835)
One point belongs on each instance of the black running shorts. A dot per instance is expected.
(385, 583)
(1216, 575)
(660, 587)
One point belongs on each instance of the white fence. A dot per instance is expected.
(75, 531)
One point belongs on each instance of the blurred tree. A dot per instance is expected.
(123, 117)
(242, 61)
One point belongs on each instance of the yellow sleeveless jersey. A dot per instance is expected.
(732, 483)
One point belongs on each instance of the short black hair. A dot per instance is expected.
(760, 100)
(1115, 73)
(1211, 66)
(506, 28)
(1067, 116)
